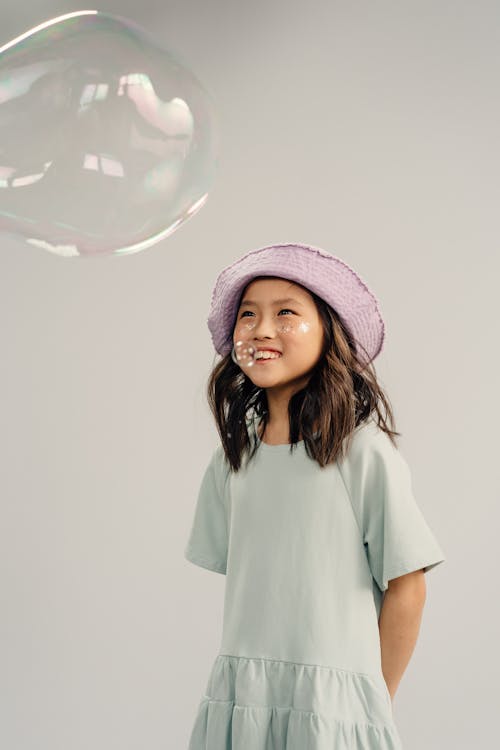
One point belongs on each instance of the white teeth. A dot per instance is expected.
(267, 355)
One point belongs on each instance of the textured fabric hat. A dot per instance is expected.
(318, 271)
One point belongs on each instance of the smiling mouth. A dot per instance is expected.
(262, 360)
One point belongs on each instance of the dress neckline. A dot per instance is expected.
(279, 445)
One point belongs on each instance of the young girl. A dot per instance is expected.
(307, 507)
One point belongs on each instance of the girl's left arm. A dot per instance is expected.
(399, 624)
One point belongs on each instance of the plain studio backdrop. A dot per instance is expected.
(369, 129)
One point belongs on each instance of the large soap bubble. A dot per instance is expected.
(243, 354)
(107, 142)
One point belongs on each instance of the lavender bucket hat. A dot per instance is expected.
(318, 271)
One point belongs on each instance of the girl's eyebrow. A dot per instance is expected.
(250, 303)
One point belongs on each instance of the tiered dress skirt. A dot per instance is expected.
(266, 704)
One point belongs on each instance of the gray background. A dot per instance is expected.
(369, 129)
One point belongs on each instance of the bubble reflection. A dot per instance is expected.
(107, 142)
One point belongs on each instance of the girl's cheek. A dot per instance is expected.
(244, 327)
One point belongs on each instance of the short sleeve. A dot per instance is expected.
(395, 533)
(208, 539)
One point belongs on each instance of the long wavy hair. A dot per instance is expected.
(342, 392)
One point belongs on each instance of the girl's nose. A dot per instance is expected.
(265, 327)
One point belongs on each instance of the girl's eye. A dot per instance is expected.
(286, 309)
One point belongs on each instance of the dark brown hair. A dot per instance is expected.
(342, 392)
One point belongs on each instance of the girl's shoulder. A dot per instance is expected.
(366, 433)
(219, 460)
(217, 466)
(368, 439)
(373, 467)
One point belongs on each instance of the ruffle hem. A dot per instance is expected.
(268, 704)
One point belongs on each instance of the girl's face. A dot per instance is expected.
(281, 315)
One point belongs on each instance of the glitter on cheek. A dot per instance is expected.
(286, 325)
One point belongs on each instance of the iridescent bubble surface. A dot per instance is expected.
(243, 354)
(107, 142)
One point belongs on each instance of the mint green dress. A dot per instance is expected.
(307, 553)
